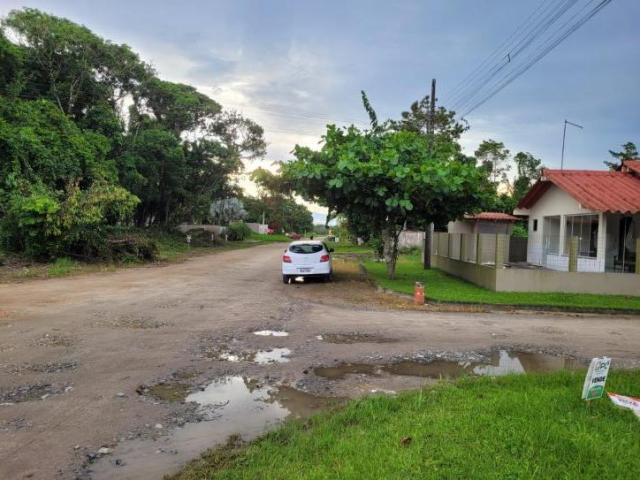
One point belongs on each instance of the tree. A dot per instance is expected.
(384, 180)
(528, 168)
(629, 151)
(70, 65)
(65, 139)
(227, 210)
(493, 157)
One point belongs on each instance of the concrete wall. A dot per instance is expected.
(215, 229)
(410, 239)
(471, 272)
(526, 280)
(258, 227)
(446, 253)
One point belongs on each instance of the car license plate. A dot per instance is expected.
(304, 270)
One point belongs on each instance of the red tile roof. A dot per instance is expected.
(633, 165)
(598, 190)
(493, 217)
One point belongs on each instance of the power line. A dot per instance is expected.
(550, 44)
(547, 19)
(478, 70)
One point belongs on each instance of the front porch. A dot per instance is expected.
(595, 242)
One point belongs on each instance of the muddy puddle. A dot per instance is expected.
(274, 355)
(231, 405)
(502, 362)
(271, 333)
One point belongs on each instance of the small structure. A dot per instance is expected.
(484, 222)
(595, 211)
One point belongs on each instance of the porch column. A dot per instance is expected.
(573, 253)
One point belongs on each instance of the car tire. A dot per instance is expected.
(285, 279)
(327, 278)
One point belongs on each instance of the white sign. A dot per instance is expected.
(596, 378)
(632, 403)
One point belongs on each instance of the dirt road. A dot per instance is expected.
(79, 357)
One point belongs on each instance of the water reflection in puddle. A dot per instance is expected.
(275, 355)
(271, 333)
(237, 406)
(501, 363)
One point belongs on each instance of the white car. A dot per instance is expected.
(306, 258)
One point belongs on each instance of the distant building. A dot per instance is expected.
(484, 222)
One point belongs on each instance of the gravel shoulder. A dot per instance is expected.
(75, 352)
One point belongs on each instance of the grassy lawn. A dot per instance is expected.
(441, 287)
(349, 248)
(172, 247)
(515, 427)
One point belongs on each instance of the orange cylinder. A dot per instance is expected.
(418, 294)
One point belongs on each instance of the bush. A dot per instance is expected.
(131, 248)
(238, 231)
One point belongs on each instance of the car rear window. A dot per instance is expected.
(305, 248)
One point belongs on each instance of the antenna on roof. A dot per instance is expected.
(564, 134)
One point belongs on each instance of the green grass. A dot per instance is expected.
(514, 427)
(441, 287)
(62, 266)
(350, 248)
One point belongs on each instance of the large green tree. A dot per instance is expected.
(385, 180)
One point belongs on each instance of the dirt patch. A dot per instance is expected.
(347, 338)
(27, 393)
(15, 424)
(55, 340)
(48, 367)
(167, 391)
(132, 321)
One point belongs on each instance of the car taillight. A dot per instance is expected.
(325, 258)
(286, 259)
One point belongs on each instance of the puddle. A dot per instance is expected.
(237, 406)
(342, 338)
(271, 333)
(500, 363)
(275, 355)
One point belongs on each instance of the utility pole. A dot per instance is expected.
(426, 248)
(564, 134)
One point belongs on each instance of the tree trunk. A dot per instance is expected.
(390, 249)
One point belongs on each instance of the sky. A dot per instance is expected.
(294, 66)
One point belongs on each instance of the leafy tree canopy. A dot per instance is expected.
(384, 180)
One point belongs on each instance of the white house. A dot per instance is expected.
(600, 208)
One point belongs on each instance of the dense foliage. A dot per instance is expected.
(91, 141)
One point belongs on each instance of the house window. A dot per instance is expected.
(535, 224)
(551, 235)
(585, 227)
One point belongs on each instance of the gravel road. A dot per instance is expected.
(78, 355)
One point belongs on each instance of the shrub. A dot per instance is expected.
(238, 231)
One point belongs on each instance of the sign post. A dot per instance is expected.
(596, 378)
